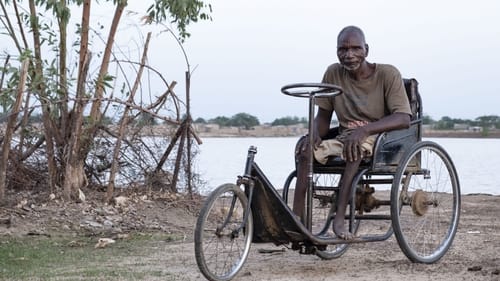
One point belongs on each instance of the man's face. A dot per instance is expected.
(351, 50)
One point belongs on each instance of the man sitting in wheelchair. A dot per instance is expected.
(374, 101)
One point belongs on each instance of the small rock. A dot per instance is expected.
(120, 200)
(7, 221)
(475, 268)
(93, 223)
(22, 203)
(81, 196)
(122, 236)
(104, 242)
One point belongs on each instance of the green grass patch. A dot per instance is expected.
(66, 258)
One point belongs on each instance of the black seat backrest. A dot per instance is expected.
(411, 86)
(391, 146)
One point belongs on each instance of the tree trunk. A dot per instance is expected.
(74, 180)
(95, 111)
(74, 173)
(39, 85)
(63, 83)
(178, 158)
(80, 140)
(188, 133)
(9, 131)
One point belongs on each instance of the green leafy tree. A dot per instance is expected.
(244, 120)
(445, 123)
(200, 120)
(222, 121)
(238, 120)
(288, 120)
(427, 120)
(489, 121)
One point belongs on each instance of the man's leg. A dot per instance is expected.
(301, 165)
(345, 189)
(301, 183)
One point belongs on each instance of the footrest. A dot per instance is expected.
(295, 236)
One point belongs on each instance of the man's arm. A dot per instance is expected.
(352, 144)
(391, 122)
(321, 125)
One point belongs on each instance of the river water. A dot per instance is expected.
(221, 160)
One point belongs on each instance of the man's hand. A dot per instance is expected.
(352, 144)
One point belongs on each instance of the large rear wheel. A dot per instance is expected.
(425, 203)
(222, 240)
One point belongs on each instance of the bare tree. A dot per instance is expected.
(73, 108)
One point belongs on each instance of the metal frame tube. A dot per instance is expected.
(310, 172)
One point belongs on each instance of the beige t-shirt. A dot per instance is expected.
(368, 100)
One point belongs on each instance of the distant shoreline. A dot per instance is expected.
(267, 131)
(297, 131)
(461, 134)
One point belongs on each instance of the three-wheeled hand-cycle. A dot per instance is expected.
(422, 208)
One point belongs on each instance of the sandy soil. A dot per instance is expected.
(474, 255)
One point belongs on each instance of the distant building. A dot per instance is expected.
(461, 126)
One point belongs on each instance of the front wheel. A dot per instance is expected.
(425, 203)
(222, 238)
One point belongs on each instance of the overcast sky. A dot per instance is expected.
(252, 48)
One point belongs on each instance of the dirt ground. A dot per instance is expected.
(474, 255)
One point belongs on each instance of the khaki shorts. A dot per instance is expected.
(335, 147)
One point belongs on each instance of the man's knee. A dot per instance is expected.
(301, 153)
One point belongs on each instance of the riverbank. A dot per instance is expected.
(460, 134)
(47, 239)
(212, 130)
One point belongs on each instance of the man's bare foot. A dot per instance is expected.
(341, 231)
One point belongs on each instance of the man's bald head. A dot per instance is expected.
(351, 30)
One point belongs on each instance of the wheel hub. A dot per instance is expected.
(419, 203)
(365, 201)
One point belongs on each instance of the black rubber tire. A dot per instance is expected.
(216, 254)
